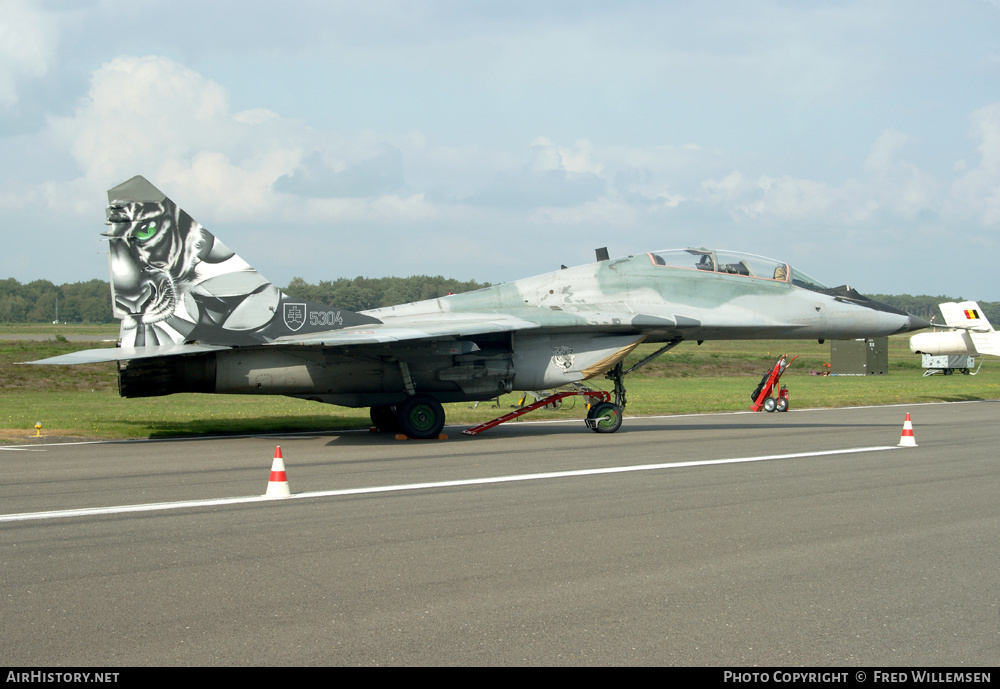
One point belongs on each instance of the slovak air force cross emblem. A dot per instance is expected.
(295, 316)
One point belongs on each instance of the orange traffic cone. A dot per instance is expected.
(277, 486)
(907, 439)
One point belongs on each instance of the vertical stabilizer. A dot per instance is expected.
(174, 282)
(968, 316)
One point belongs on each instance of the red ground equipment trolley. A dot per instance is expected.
(761, 397)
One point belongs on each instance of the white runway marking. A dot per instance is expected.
(152, 507)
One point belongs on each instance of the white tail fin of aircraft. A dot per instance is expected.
(971, 334)
(968, 316)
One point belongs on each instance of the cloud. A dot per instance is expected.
(315, 177)
(554, 176)
(888, 186)
(976, 193)
(27, 47)
(151, 116)
(788, 198)
(895, 184)
(141, 113)
(546, 155)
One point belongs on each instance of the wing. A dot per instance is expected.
(432, 327)
(453, 326)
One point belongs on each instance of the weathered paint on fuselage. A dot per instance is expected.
(588, 317)
(579, 322)
(634, 294)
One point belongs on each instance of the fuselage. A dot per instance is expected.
(663, 302)
(576, 324)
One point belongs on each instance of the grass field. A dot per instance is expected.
(83, 401)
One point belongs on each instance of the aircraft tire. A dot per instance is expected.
(420, 417)
(606, 417)
(781, 405)
(769, 404)
(384, 418)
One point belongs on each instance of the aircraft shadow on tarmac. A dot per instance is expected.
(575, 427)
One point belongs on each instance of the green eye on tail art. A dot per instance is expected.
(146, 232)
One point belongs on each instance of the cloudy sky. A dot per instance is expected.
(859, 140)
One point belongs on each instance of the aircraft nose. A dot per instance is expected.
(893, 319)
(890, 315)
(915, 323)
(904, 322)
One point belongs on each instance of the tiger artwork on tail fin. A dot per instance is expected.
(174, 282)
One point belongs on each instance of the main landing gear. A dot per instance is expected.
(420, 417)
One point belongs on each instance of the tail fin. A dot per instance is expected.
(173, 282)
(968, 316)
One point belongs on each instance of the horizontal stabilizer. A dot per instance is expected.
(987, 343)
(99, 356)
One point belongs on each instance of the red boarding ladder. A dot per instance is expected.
(593, 396)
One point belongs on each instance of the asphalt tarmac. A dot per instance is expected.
(532, 544)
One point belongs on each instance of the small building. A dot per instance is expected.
(864, 357)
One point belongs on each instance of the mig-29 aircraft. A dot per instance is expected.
(195, 317)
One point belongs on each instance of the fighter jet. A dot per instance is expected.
(195, 317)
(971, 333)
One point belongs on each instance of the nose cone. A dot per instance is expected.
(915, 323)
(899, 320)
(892, 321)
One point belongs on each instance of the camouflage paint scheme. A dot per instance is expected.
(196, 318)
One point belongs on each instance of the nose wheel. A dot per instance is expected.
(604, 417)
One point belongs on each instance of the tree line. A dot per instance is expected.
(41, 301)
(927, 307)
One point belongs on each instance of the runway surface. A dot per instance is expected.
(883, 556)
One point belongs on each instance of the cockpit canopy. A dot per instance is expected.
(735, 263)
